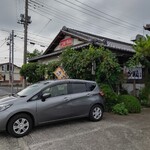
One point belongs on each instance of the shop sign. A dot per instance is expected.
(66, 42)
(60, 73)
(133, 73)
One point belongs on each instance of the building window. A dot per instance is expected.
(6, 67)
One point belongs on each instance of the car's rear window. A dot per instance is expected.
(78, 87)
(90, 86)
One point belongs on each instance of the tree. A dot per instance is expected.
(142, 48)
(35, 53)
(34, 72)
(78, 64)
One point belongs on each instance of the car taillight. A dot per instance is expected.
(101, 93)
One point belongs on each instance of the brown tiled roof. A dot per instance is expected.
(88, 39)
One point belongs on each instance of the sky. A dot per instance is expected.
(117, 19)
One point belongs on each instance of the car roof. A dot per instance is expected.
(45, 82)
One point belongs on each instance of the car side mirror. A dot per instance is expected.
(45, 96)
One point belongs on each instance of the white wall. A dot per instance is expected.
(6, 73)
(129, 87)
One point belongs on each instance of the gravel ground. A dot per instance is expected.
(113, 132)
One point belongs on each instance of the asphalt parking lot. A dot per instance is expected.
(114, 132)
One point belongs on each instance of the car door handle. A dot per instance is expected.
(89, 94)
(66, 99)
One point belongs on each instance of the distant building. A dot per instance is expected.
(5, 74)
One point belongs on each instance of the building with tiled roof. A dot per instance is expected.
(77, 40)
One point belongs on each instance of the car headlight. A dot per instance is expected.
(4, 106)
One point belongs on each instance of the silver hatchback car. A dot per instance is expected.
(49, 101)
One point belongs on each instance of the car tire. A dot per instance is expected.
(96, 113)
(19, 125)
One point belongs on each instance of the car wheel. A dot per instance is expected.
(96, 113)
(19, 125)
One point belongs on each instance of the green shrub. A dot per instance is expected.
(131, 103)
(120, 109)
(144, 96)
(123, 91)
(110, 96)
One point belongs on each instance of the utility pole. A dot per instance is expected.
(25, 38)
(12, 67)
(25, 31)
(25, 20)
(11, 59)
(9, 44)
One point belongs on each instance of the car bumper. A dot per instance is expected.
(3, 120)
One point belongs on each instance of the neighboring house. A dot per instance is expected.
(77, 40)
(5, 74)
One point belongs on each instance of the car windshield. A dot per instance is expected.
(29, 90)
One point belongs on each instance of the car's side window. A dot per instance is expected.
(56, 90)
(90, 86)
(78, 87)
(62, 89)
(47, 91)
(34, 97)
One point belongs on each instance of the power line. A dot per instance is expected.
(106, 13)
(31, 41)
(68, 18)
(86, 27)
(49, 19)
(30, 34)
(72, 19)
(60, 12)
(2, 44)
(39, 12)
(45, 25)
(95, 15)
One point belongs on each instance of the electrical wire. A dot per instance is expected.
(86, 27)
(30, 35)
(42, 5)
(2, 44)
(33, 41)
(45, 26)
(106, 14)
(94, 15)
(56, 15)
